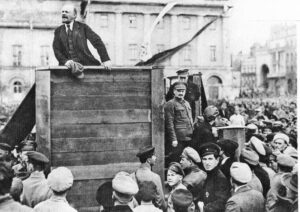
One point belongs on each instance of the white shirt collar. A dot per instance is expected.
(71, 26)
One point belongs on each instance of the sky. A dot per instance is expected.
(251, 20)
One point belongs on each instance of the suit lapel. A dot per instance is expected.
(63, 36)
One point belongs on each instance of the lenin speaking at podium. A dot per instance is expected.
(70, 41)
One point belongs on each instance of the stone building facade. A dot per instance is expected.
(27, 27)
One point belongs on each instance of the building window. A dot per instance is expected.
(186, 22)
(17, 55)
(17, 86)
(132, 21)
(160, 47)
(103, 20)
(187, 55)
(133, 52)
(45, 55)
(213, 53)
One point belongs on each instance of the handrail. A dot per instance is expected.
(115, 68)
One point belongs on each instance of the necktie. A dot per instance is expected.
(69, 30)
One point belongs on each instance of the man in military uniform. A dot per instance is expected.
(192, 91)
(178, 123)
(216, 187)
(144, 173)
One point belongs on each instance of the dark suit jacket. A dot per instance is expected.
(81, 33)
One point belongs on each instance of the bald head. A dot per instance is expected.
(68, 13)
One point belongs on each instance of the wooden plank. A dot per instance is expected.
(98, 144)
(157, 97)
(60, 76)
(83, 193)
(100, 102)
(100, 130)
(42, 103)
(93, 158)
(107, 171)
(100, 116)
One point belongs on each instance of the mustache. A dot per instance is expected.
(64, 16)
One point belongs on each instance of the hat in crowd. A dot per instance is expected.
(182, 71)
(176, 167)
(192, 154)
(257, 145)
(146, 151)
(124, 186)
(282, 136)
(270, 137)
(147, 191)
(252, 127)
(104, 194)
(60, 179)
(284, 116)
(240, 172)
(5, 147)
(290, 181)
(37, 156)
(208, 149)
(228, 146)
(181, 198)
(259, 109)
(285, 160)
(291, 151)
(277, 124)
(179, 86)
(249, 156)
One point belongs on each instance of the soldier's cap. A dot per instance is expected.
(145, 151)
(283, 116)
(208, 149)
(179, 86)
(249, 156)
(290, 181)
(176, 167)
(281, 136)
(5, 147)
(27, 145)
(182, 198)
(277, 124)
(228, 146)
(104, 195)
(60, 179)
(285, 160)
(147, 191)
(257, 145)
(124, 187)
(37, 156)
(182, 71)
(240, 172)
(191, 154)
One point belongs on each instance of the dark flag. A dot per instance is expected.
(22, 121)
(159, 57)
(203, 100)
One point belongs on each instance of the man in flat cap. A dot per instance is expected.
(7, 203)
(194, 177)
(147, 193)
(252, 159)
(285, 164)
(183, 201)
(216, 187)
(144, 173)
(35, 187)
(205, 132)
(124, 189)
(244, 198)
(60, 181)
(192, 91)
(178, 123)
(227, 154)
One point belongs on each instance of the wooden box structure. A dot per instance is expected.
(95, 125)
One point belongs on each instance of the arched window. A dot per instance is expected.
(17, 86)
(214, 84)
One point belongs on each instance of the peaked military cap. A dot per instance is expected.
(179, 86)
(228, 146)
(148, 150)
(209, 148)
(37, 156)
(182, 71)
(5, 146)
